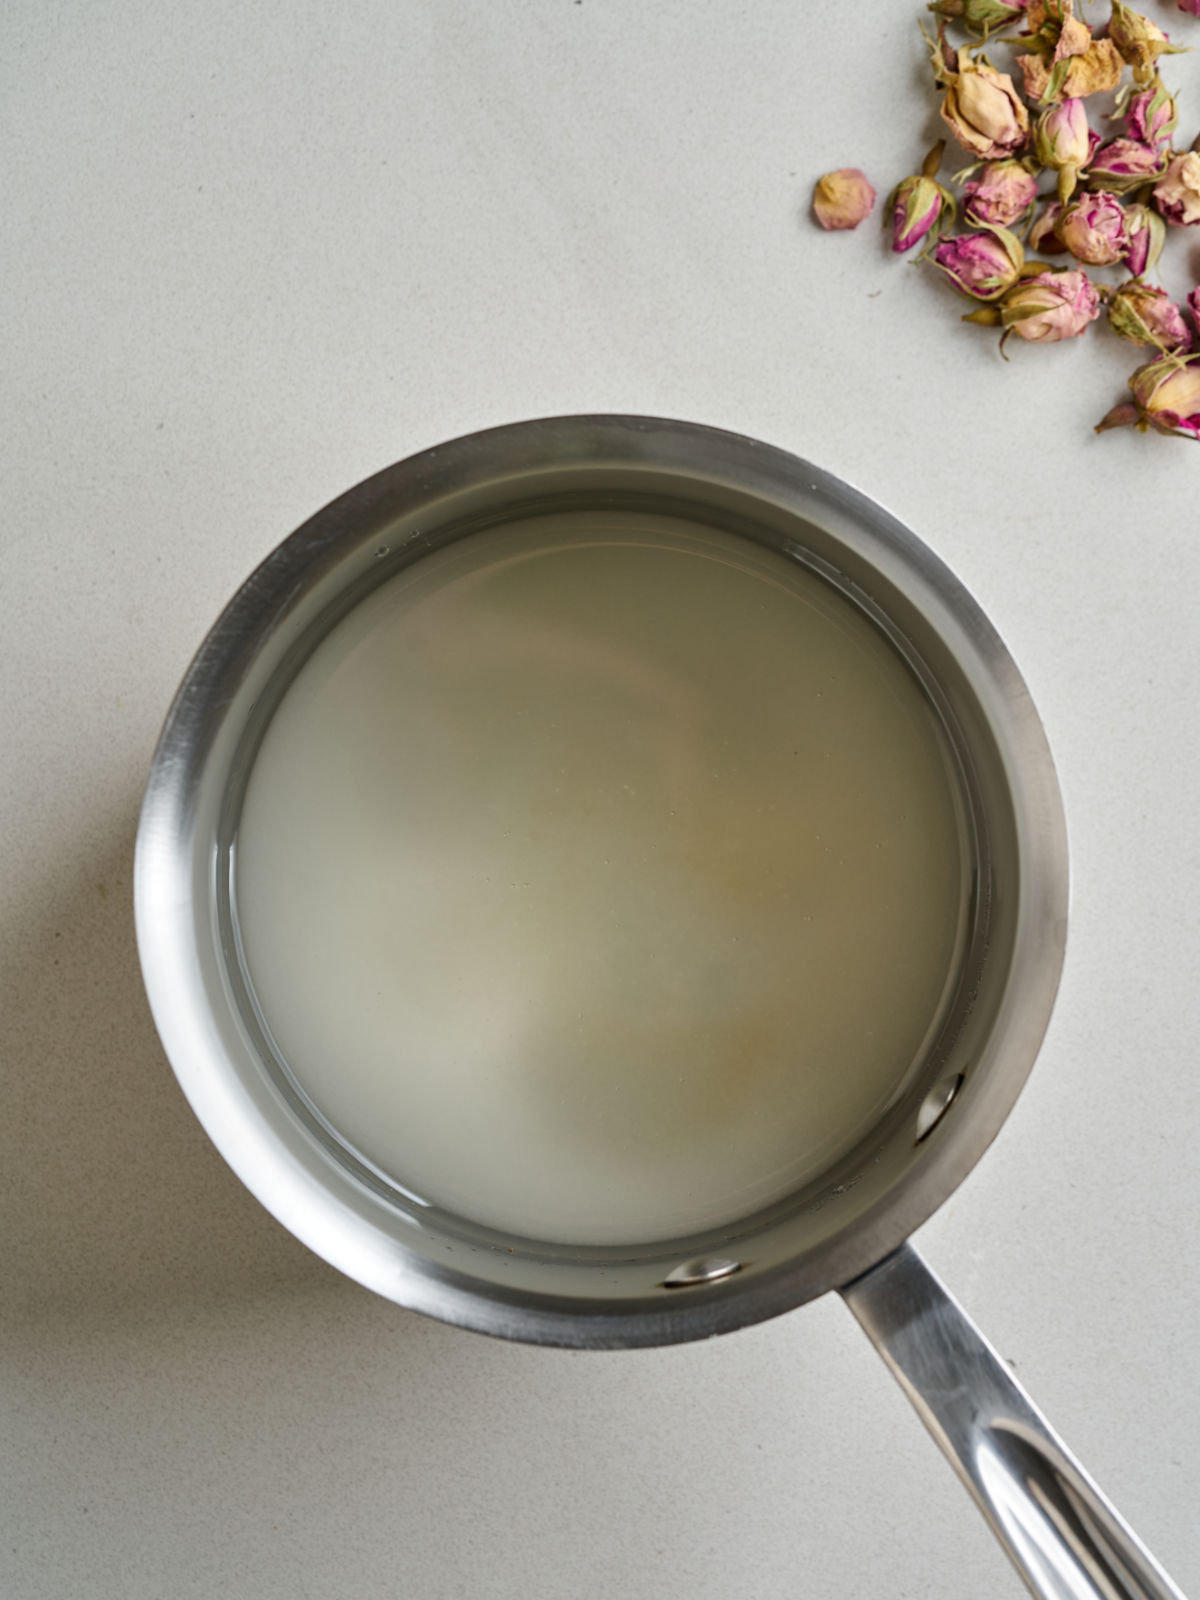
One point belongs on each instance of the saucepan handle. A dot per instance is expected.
(1066, 1540)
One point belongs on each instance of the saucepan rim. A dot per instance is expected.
(297, 1184)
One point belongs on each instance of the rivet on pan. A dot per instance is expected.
(702, 1269)
(936, 1104)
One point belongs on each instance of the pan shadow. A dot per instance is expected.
(113, 1193)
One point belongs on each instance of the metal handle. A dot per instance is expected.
(1065, 1539)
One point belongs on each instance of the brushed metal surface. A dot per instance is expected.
(1065, 1538)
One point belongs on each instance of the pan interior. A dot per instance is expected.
(604, 884)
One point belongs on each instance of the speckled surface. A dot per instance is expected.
(253, 254)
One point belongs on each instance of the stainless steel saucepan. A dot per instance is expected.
(846, 1232)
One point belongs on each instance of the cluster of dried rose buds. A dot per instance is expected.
(1110, 203)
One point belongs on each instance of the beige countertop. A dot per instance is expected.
(251, 255)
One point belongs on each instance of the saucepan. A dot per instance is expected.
(846, 1229)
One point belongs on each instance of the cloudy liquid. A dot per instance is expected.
(600, 878)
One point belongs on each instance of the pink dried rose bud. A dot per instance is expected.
(1001, 195)
(1193, 305)
(919, 206)
(982, 265)
(1062, 141)
(1125, 164)
(1192, 7)
(1093, 230)
(981, 106)
(1139, 40)
(1053, 305)
(1147, 234)
(843, 199)
(1061, 135)
(1166, 397)
(1145, 315)
(1150, 116)
(1177, 196)
(1044, 234)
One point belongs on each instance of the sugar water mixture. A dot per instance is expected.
(601, 877)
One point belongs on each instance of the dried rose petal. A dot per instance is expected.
(843, 199)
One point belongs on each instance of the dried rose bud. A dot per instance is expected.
(1093, 230)
(1193, 305)
(982, 265)
(1061, 135)
(1192, 7)
(1044, 234)
(1145, 315)
(1097, 71)
(843, 199)
(1057, 37)
(1055, 29)
(1063, 142)
(1139, 40)
(1150, 116)
(1147, 234)
(918, 206)
(1166, 397)
(1052, 306)
(981, 16)
(1001, 195)
(1125, 164)
(1178, 195)
(981, 106)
